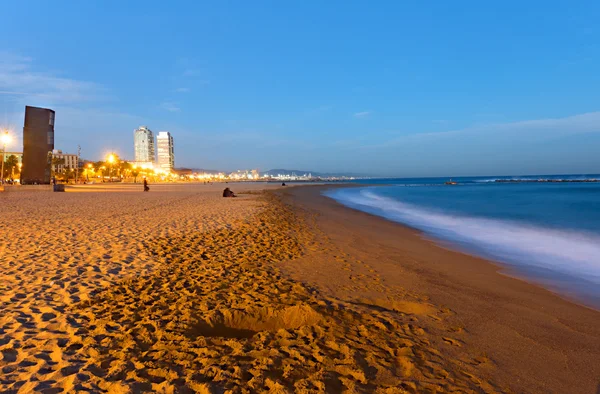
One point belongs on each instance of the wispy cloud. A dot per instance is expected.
(182, 90)
(362, 114)
(18, 77)
(317, 111)
(531, 130)
(170, 106)
(191, 72)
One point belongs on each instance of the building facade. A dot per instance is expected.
(166, 152)
(38, 144)
(143, 144)
(69, 161)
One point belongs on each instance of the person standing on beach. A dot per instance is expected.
(146, 188)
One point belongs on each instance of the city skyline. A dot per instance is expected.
(394, 90)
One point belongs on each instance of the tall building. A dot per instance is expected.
(143, 143)
(38, 143)
(166, 153)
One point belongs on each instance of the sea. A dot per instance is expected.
(543, 228)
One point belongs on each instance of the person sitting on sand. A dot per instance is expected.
(228, 193)
(146, 188)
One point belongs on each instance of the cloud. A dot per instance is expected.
(363, 114)
(518, 132)
(170, 106)
(317, 111)
(182, 90)
(18, 77)
(191, 72)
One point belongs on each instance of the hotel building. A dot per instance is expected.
(166, 153)
(143, 144)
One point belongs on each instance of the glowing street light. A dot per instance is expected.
(110, 159)
(5, 139)
(87, 171)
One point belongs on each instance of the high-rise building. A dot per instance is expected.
(166, 153)
(38, 143)
(143, 143)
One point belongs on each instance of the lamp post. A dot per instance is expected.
(5, 140)
(78, 156)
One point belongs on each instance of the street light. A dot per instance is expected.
(5, 139)
(87, 172)
(110, 159)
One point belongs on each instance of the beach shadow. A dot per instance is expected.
(218, 330)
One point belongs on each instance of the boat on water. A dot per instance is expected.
(450, 182)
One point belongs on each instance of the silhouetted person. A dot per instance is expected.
(283, 184)
(146, 188)
(228, 193)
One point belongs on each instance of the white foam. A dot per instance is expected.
(576, 254)
(539, 179)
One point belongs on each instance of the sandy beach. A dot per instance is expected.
(521, 337)
(108, 289)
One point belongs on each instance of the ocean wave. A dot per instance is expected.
(581, 178)
(573, 253)
(417, 184)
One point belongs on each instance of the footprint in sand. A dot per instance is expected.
(450, 341)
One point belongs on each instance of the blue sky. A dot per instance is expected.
(385, 88)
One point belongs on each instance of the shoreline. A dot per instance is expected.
(562, 286)
(562, 337)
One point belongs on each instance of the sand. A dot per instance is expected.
(180, 290)
(530, 339)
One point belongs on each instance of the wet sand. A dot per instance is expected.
(534, 341)
(180, 290)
